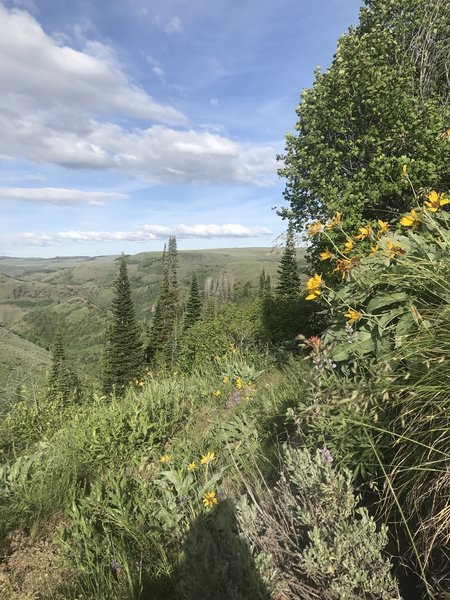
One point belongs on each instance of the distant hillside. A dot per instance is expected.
(36, 294)
(21, 362)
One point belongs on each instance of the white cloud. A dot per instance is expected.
(59, 196)
(38, 75)
(174, 25)
(57, 105)
(143, 234)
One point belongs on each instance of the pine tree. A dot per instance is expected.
(164, 329)
(123, 350)
(288, 277)
(64, 384)
(194, 304)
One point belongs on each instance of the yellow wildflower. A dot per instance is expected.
(352, 315)
(412, 219)
(313, 286)
(335, 221)
(210, 499)
(166, 458)
(326, 255)
(374, 249)
(238, 384)
(217, 393)
(364, 232)
(435, 201)
(192, 466)
(384, 227)
(207, 458)
(226, 379)
(394, 250)
(348, 246)
(404, 171)
(315, 228)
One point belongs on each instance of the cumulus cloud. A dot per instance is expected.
(143, 234)
(58, 196)
(58, 105)
(37, 74)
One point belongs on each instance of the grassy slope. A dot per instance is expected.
(37, 293)
(21, 362)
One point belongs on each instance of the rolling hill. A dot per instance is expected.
(37, 294)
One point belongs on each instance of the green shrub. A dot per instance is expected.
(312, 535)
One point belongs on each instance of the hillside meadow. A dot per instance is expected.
(38, 294)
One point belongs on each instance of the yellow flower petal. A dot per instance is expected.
(352, 315)
(326, 255)
(348, 246)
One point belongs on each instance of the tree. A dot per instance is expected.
(265, 286)
(64, 384)
(164, 328)
(194, 304)
(288, 277)
(382, 103)
(123, 350)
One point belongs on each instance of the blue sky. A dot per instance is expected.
(123, 121)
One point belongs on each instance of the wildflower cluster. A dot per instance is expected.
(375, 238)
(190, 481)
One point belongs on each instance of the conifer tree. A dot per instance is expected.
(194, 304)
(288, 277)
(265, 285)
(63, 382)
(123, 351)
(163, 331)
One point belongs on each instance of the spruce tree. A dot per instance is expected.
(123, 351)
(164, 329)
(265, 285)
(64, 384)
(194, 304)
(288, 277)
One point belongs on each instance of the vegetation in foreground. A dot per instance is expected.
(287, 443)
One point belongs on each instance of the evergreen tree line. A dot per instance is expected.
(126, 355)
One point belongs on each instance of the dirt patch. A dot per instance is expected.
(31, 568)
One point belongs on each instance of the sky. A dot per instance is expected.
(125, 121)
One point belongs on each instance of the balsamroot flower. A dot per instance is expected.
(404, 171)
(412, 219)
(326, 254)
(394, 250)
(364, 232)
(348, 246)
(315, 228)
(210, 499)
(335, 221)
(165, 459)
(313, 286)
(352, 315)
(384, 227)
(435, 201)
(192, 466)
(207, 458)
